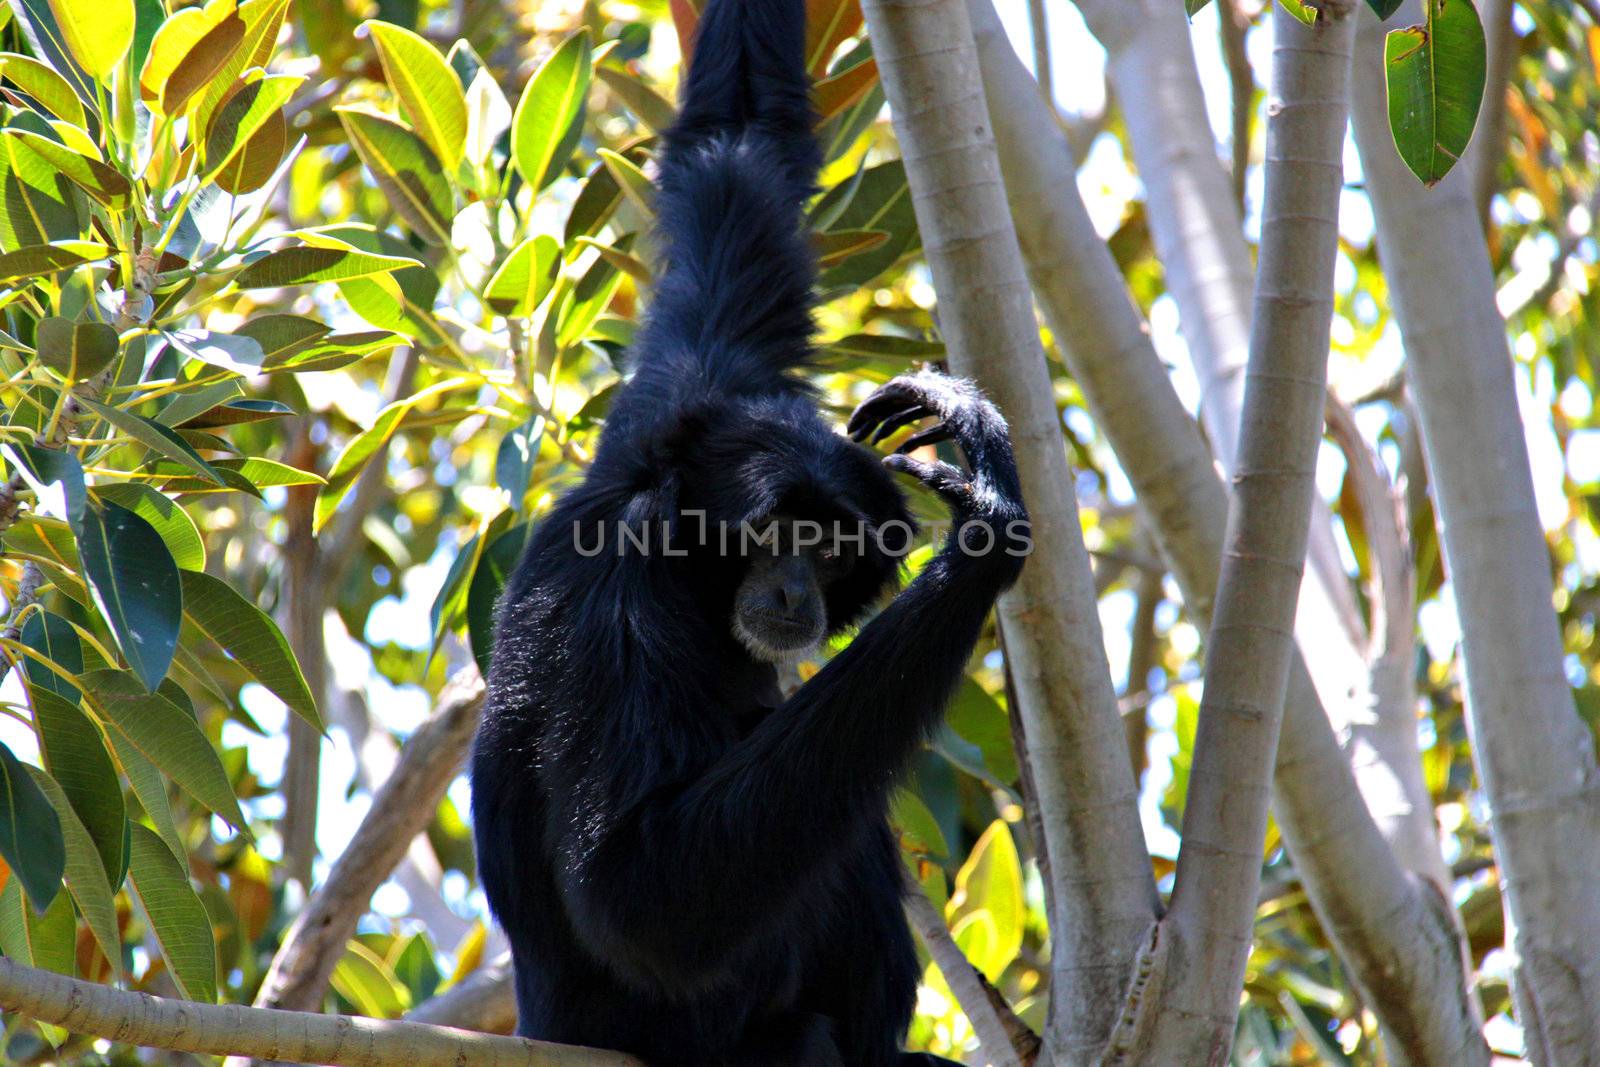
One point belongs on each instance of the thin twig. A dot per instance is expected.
(1006, 1039)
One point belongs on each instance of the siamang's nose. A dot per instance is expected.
(790, 594)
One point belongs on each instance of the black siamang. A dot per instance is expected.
(690, 867)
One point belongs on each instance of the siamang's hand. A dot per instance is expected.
(966, 416)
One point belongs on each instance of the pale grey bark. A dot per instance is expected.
(1208, 926)
(1534, 755)
(1395, 934)
(1103, 895)
(484, 1000)
(1195, 222)
(993, 1029)
(290, 1036)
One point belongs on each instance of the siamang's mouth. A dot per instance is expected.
(776, 638)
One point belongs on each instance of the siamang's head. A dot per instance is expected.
(780, 610)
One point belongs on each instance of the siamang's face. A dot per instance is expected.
(780, 611)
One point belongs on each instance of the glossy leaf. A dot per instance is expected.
(429, 92)
(407, 171)
(84, 872)
(630, 179)
(134, 582)
(41, 936)
(300, 266)
(202, 63)
(262, 21)
(551, 106)
(38, 204)
(30, 833)
(91, 175)
(988, 909)
(231, 352)
(52, 637)
(1384, 8)
(524, 279)
(172, 42)
(880, 201)
(53, 92)
(97, 31)
(489, 578)
(158, 438)
(56, 478)
(180, 922)
(250, 106)
(167, 736)
(34, 260)
(365, 445)
(253, 165)
(1435, 76)
(178, 531)
(76, 757)
(76, 350)
(653, 110)
(150, 790)
(247, 634)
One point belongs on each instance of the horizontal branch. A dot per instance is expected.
(293, 1036)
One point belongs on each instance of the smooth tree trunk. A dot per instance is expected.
(1397, 935)
(1197, 957)
(1196, 226)
(1534, 755)
(1102, 890)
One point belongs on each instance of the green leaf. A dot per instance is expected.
(135, 585)
(177, 529)
(250, 106)
(97, 179)
(239, 412)
(515, 458)
(30, 833)
(918, 829)
(836, 246)
(39, 203)
(1193, 7)
(167, 736)
(160, 439)
(1301, 10)
(47, 41)
(75, 754)
(52, 545)
(53, 638)
(56, 479)
(365, 445)
(97, 31)
(488, 118)
(551, 106)
(281, 336)
(302, 265)
(262, 21)
(979, 719)
(630, 179)
(488, 582)
(172, 41)
(203, 62)
(590, 297)
(406, 170)
(989, 890)
(1435, 75)
(247, 634)
(85, 872)
(53, 92)
(34, 260)
(150, 789)
(642, 100)
(45, 938)
(1384, 8)
(879, 200)
(524, 279)
(76, 350)
(880, 346)
(231, 352)
(181, 924)
(363, 979)
(253, 165)
(428, 90)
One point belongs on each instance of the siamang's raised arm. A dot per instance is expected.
(731, 306)
(814, 774)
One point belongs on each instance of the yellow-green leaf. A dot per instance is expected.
(181, 923)
(633, 182)
(524, 279)
(75, 350)
(550, 110)
(85, 872)
(406, 169)
(172, 42)
(643, 101)
(988, 905)
(51, 90)
(299, 266)
(91, 175)
(203, 62)
(428, 90)
(98, 32)
(33, 260)
(252, 103)
(247, 634)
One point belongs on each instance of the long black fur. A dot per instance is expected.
(687, 868)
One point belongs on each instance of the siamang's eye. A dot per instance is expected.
(829, 554)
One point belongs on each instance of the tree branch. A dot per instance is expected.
(484, 1000)
(1104, 896)
(400, 810)
(1005, 1039)
(1401, 952)
(1534, 755)
(290, 1036)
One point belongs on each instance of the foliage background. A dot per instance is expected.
(306, 313)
